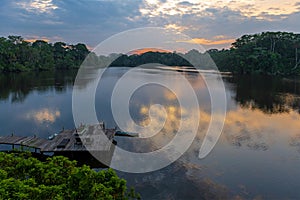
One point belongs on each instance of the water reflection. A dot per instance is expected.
(177, 181)
(36, 103)
(256, 130)
(269, 94)
(258, 151)
(245, 126)
(16, 87)
(252, 126)
(295, 142)
(43, 115)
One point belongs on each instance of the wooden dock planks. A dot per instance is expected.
(65, 140)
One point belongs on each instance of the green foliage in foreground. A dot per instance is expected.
(25, 177)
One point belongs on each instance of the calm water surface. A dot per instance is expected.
(257, 156)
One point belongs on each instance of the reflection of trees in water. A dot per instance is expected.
(16, 87)
(269, 94)
(291, 101)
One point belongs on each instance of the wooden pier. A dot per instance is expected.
(75, 144)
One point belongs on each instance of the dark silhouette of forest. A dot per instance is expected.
(267, 53)
(17, 55)
(271, 53)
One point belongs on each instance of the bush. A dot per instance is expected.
(25, 177)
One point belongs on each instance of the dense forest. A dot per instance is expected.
(269, 53)
(169, 59)
(273, 53)
(25, 177)
(16, 55)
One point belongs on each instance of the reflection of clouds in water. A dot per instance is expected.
(158, 125)
(173, 115)
(181, 174)
(170, 96)
(253, 129)
(243, 127)
(258, 130)
(246, 128)
(170, 108)
(43, 115)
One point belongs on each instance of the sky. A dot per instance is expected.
(213, 23)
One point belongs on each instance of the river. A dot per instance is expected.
(257, 155)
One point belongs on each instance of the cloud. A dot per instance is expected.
(88, 22)
(92, 21)
(185, 3)
(247, 8)
(33, 38)
(175, 27)
(40, 6)
(204, 41)
(202, 19)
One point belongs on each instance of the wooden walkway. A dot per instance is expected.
(82, 139)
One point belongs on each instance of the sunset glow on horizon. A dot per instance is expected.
(144, 50)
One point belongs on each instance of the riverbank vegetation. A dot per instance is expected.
(268, 53)
(271, 53)
(25, 177)
(17, 54)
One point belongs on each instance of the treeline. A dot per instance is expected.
(267, 53)
(192, 58)
(170, 59)
(272, 53)
(17, 54)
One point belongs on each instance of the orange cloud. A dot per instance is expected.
(144, 50)
(204, 41)
(33, 39)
